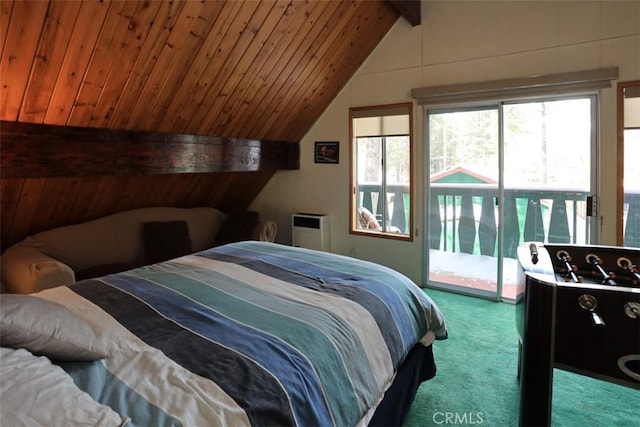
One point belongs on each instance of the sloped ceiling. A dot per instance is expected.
(243, 69)
(249, 69)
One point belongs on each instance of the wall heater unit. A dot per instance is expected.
(311, 231)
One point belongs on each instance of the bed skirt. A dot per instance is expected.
(419, 366)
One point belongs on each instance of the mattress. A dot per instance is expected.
(249, 333)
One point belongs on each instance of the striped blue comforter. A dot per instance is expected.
(250, 333)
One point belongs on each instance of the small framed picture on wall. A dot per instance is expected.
(327, 152)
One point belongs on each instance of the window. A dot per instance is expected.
(628, 168)
(381, 170)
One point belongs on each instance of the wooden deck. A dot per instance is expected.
(473, 271)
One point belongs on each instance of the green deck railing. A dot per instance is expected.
(463, 217)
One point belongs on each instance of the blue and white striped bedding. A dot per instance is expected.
(249, 333)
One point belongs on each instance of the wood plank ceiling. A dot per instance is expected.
(241, 69)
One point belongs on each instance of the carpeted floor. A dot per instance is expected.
(476, 381)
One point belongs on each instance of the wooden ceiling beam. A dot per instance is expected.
(409, 9)
(33, 150)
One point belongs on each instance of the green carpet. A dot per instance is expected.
(476, 382)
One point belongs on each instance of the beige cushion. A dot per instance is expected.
(106, 245)
(50, 258)
(46, 328)
(26, 270)
(117, 238)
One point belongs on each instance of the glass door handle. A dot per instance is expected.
(592, 205)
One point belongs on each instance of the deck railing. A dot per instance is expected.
(369, 197)
(463, 217)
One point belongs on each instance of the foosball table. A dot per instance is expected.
(577, 309)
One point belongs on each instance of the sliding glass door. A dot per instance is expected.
(503, 174)
(464, 175)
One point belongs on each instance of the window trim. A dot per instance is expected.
(356, 112)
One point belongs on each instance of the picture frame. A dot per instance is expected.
(327, 152)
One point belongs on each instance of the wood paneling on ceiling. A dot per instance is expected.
(247, 69)
(261, 70)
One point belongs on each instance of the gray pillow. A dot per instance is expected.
(46, 328)
(36, 392)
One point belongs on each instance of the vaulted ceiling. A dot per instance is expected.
(254, 69)
(243, 69)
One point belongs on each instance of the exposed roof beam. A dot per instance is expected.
(409, 9)
(31, 150)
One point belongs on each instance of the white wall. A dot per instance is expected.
(458, 42)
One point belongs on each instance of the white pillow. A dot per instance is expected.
(36, 392)
(47, 329)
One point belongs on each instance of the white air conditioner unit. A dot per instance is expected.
(311, 231)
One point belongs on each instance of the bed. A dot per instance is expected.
(249, 333)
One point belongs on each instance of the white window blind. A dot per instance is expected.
(632, 107)
(380, 122)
